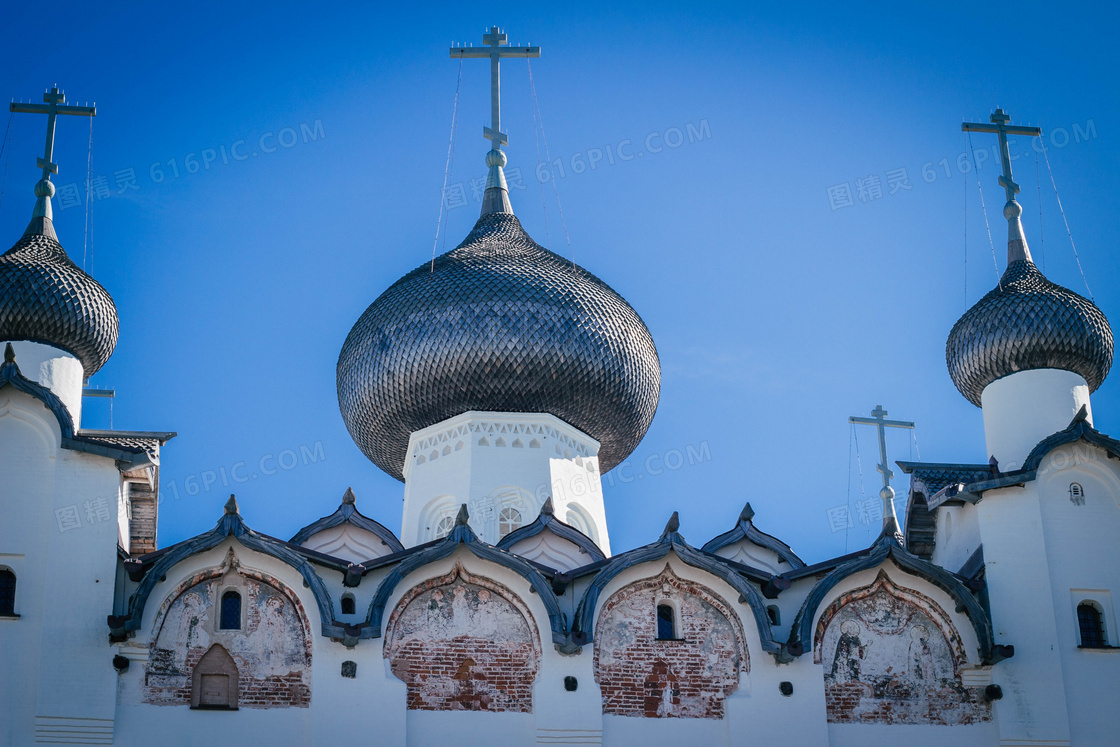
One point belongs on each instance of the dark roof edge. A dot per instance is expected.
(801, 633)
(461, 534)
(672, 541)
(349, 514)
(230, 525)
(546, 520)
(745, 529)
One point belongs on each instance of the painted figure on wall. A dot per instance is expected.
(271, 647)
(891, 656)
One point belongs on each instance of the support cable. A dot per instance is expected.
(1068, 233)
(985, 209)
(447, 168)
(544, 137)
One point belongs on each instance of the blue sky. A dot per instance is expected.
(777, 312)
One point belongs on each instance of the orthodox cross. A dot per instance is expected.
(879, 419)
(55, 104)
(496, 50)
(1000, 127)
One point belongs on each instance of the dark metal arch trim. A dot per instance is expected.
(231, 525)
(1079, 429)
(462, 535)
(547, 521)
(801, 634)
(348, 514)
(746, 529)
(583, 628)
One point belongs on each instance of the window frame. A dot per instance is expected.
(240, 608)
(11, 614)
(347, 597)
(1101, 601)
(674, 620)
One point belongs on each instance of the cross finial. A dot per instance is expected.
(1016, 241)
(496, 198)
(53, 104)
(879, 419)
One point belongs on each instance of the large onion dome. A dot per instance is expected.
(46, 298)
(1025, 323)
(498, 324)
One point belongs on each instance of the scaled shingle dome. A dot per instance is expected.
(46, 298)
(1026, 323)
(499, 324)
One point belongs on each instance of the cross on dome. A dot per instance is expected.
(495, 50)
(1016, 241)
(54, 104)
(496, 197)
(879, 419)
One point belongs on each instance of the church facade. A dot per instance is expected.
(499, 383)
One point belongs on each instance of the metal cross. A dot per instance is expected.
(496, 50)
(1000, 127)
(55, 105)
(880, 420)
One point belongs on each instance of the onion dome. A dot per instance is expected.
(498, 324)
(1026, 322)
(47, 298)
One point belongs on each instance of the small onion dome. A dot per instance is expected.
(1027, 323)
(47, 298)
(498, 324)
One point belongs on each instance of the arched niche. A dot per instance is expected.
(462, 642)
(688, 676)
(215, 681)
(271, 649)
(891, 655)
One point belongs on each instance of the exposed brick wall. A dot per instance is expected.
(690, 678)
(142, 526)
(892, 656)
(464, 643)
(272, 651)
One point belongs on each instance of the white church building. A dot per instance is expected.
(498, 384)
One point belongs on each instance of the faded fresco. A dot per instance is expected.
(272, 649)
(463, 643)
(687, 678)
(892, 657)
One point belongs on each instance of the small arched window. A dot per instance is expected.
(7, 593)
(666, 629)
(231, 611)
(348, 604)
(443, 528)
(1092, 626)
(508, 520)
(774, 614)
(1077, 494)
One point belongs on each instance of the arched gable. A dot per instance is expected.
(462, 535)
(229, 526)
(891, 655)
(269, 640)
(672, 541)
(689, 675)
(462, 642)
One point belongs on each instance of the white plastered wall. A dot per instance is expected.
(59, 534)
(55, 369)
(492, 461)
(1083, 564)
(1022, 409)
